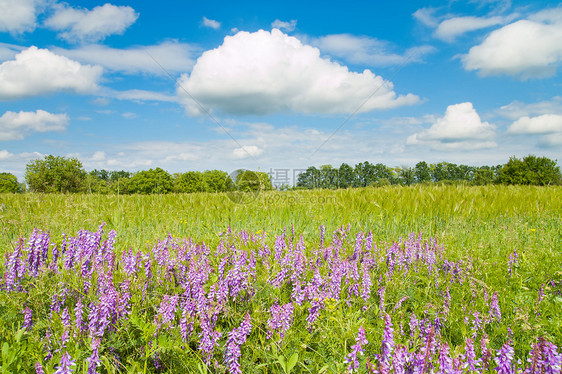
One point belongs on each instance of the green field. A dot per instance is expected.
(479, 226)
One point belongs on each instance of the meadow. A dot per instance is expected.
(391, 279)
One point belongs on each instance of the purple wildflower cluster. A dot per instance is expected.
(192, 293)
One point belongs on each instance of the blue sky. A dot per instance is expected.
(278, 85)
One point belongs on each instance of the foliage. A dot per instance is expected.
(216, 181)
(192, 181)
(55, 174)
(153, 181)
(9, 183)
(531, 170)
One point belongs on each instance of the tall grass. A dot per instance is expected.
(487, 219)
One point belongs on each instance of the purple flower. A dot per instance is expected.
(236, 338)
(445, 361)
(94, 359)
(209, 338)
(471, 362)
(513, 259)
(27, 318)
(65, 364)
(356, 349)
(387, 343)
(39, 368)
(65, 317)
(504, 360)
(281, 319)
(401, 360)
(552, 361)
(495, 308)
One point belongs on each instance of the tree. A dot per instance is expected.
(483, 175)
(311, 178)
(151, 181)
(189, 182)
(8, 183)
(406, 176)
(346, 176)
(422, 172)
(55, 174)
(216, 181)
(532, 170)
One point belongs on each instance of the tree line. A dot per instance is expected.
(55, 174)
(531, 170)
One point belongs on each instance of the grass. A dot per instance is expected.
(479, 226)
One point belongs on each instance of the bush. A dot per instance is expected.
(55, 174)
(532, 170)
(9, 183)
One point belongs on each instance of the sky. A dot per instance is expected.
(273, 86)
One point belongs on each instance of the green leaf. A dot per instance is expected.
(292, 362)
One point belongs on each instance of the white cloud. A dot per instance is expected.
(366, 50)
(91, 25)
(266, 72)
(18, 16)
(141, 95)
(39, 71)
(451, 28)
(530, 48)
(14, 126)
(211, 23)
(4, 154)
(426, 17)
(460, 128)
(286, 26)
(518, 109)
(246, 151)
(129, 115)
(544, 124)
(172, 55)
(98, 156)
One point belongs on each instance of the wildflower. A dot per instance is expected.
(65, 364)
(236, 338)
(401, 360)
(281, 319)
(27, 318)
(445, 361)
(552, 362)
(387, 343)
(471, 362)
(495, 308)
(39, 368)
(356, 349)
(513, 259)
(504, 360)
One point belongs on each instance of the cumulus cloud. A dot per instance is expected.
(460, 128)
(366, 50)
(544, 124)
(15, 126)
(18, 16)
(171, 55)
(286, 26)
(530, 48)
(246, 151)
(91, 25)
(267, 72)
(211, 23)
(39, 71)
(451, 28)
